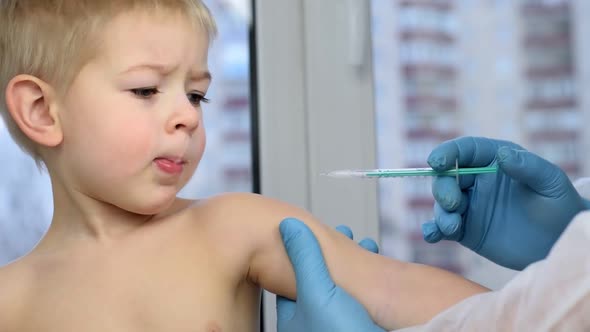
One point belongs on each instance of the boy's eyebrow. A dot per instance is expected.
(196, 75)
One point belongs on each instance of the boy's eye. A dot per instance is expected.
(145, 92)
(196, 99)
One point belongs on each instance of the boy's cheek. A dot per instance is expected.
(123, 147)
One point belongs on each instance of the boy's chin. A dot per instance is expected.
(153, 207)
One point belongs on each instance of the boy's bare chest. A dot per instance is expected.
(163, 292)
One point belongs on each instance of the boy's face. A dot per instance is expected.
(132, 120)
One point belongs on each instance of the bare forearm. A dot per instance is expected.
(397, 294)
(417, 293)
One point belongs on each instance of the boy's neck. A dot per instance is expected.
(81, 219)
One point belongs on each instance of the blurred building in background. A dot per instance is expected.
(227, 163)
(552, 114)
(443, 68)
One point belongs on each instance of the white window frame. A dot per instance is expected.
(316, 111)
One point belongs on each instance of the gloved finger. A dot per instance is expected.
(529, 169)
(431, 233)
(448, 223)
(466, 181)
(463, 204)
(285, 308)
(303, 249)
(446, 192)
(469, 151)
(345, 230)
(370, 245)
(367, 243)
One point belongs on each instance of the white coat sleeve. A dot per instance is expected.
(550, 295)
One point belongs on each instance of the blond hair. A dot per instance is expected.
(54, 39)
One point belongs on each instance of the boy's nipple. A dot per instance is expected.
(213, 327)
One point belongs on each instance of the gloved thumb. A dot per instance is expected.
(529, 169)
(303, 249)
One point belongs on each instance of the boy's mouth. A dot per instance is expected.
(170, 165)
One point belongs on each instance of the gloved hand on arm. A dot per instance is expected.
(512, 217)
(321, 305)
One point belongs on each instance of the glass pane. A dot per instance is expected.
(443, 69)
(25, 193)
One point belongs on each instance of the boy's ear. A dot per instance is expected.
(31, 103)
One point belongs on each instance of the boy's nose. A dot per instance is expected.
(185, 117)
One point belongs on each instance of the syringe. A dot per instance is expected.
(403, 172)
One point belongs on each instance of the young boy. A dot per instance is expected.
(107, 95)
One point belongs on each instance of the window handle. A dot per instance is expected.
(359, 31)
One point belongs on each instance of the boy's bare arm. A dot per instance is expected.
(396, 294)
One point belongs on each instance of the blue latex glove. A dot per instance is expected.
(321, 305)
(512, 217)
(367, 243)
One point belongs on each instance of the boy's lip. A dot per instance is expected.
(170, 165)
(176, 160)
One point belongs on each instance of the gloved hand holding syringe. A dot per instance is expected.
(512, 216)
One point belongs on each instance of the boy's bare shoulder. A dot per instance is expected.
(245, 210)
(15, 285)
(245, 218)
(249, 207)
